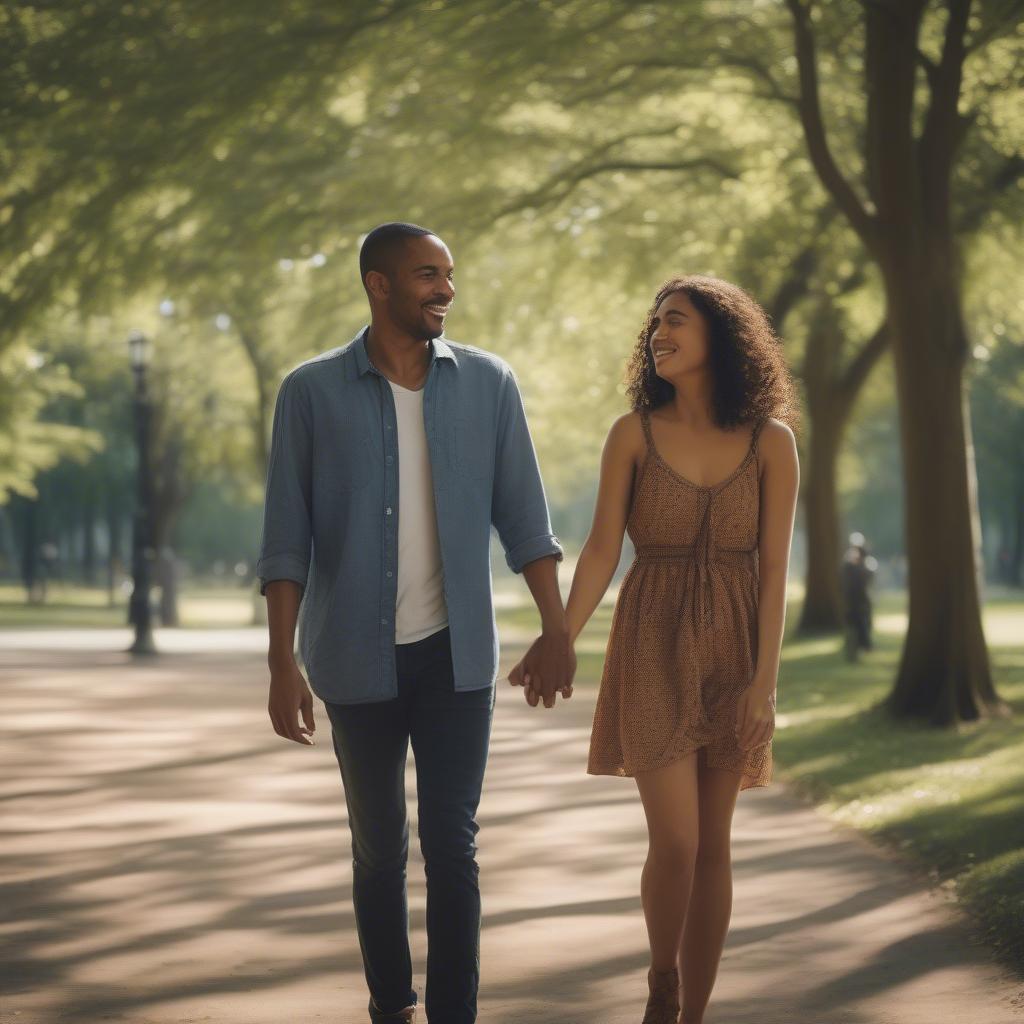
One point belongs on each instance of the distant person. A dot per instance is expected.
(858, 570)
(703, 475)
(391, 458)
(49, 560)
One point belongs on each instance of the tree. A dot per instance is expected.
(907, 222)
(616, 140)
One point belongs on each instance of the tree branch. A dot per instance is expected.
(856, 373)
(944, 127)
(537, 199)
(564, 182)
(615, 81)
(814, 129)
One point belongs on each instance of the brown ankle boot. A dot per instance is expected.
(663, 1002)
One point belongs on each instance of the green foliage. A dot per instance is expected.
(30, 443)
(573, 154)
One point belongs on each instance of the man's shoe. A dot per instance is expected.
(406, 1016)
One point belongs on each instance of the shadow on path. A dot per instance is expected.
(166, 858)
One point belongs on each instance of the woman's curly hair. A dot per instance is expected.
(751, 379)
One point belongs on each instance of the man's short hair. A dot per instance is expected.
(382, 245)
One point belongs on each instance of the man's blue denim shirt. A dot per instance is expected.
(331, 514)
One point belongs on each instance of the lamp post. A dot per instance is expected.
(139, 612)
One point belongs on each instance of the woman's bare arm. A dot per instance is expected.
(601, 552)
(623, 449)
(780, 482)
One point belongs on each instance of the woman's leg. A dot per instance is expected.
(669, 797)
(710, 905)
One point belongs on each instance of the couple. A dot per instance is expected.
(391, 459)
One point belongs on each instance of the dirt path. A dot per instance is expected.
(166, 858)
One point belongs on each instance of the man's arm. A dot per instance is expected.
(541, 577)
(550, 663)
(287, 509)
(519, 509)
(289, 691)
(519, 512)
(283, 565)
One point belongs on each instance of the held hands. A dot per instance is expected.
(547, 667)
(290, 697)
(755, 716)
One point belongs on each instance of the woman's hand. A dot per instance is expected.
(755, 717)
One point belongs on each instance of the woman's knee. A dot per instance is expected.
(673, 848)
(714, 852)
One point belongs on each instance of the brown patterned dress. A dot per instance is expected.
(683, 640)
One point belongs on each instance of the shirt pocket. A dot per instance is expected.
(471, 448)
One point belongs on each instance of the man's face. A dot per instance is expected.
(422, 288)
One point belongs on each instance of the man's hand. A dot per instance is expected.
(289, 697)
(547, 667)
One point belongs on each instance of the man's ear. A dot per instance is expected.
(377, 284)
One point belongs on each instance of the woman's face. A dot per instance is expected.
(679, 337)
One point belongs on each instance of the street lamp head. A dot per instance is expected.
(138, 349)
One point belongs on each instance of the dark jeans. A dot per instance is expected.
(450, 733)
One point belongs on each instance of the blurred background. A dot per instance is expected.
(197, 177)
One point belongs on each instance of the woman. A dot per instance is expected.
(703, 474)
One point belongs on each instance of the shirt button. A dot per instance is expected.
(383, 622)
(389, 460)
(387, 511)
(389, 574)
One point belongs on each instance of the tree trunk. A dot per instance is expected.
(115, 563)
(89, 536)
(822, 608)
(167, 578)
(944, 673)
(30, 550)
(165, 517)
(170, 493)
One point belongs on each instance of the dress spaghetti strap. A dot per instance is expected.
(645, 420)
(755, 438)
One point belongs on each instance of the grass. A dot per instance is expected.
(70, 606)
(951, 802)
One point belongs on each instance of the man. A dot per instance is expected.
(858, 570)
(391, 459)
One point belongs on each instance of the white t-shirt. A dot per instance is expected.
(421, 608)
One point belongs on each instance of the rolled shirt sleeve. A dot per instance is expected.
(287, 522)
(519, 509)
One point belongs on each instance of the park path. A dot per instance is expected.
(167, 859)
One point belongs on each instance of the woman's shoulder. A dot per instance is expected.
(626, 434)
(775, 439)
(776, 431)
